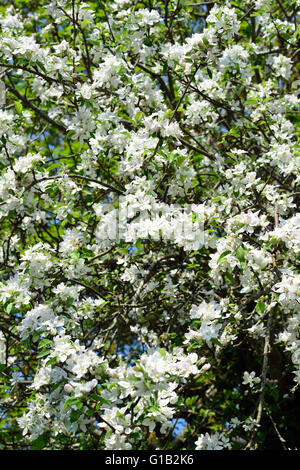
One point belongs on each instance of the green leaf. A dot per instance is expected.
(217, 342)
(69, 302)
(260, 307)
(70, 402)
(240, 253)
(36, 336)
(41, 66)
(99, 399)
(85, 253)
(85, 23)
(75, 255)
(56, 385)
(229, 277)
(53, 360)
(9, 307)
(44, 342)
(153, 409)
(251, 101)
(205, 41)
(163, 352)
(75, 415)
(43, 353)
(27, 342)
(39, 443)
(171, 157)
(18, 106)
(139, 116)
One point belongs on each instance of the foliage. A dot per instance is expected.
(149, 206)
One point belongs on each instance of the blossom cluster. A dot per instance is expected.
(149, 223)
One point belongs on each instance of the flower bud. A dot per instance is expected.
(68, 388)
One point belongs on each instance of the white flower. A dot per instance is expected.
(72, 240)
(282, 66)
(217, 441)
(250, 424)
